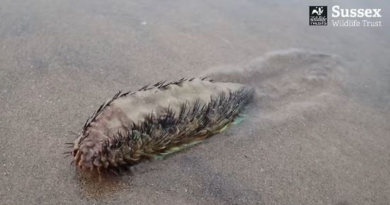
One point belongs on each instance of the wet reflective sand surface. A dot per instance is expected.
(317, 132)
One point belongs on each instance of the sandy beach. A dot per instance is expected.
(318, 131)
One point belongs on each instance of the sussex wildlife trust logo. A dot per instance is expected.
(318, 15)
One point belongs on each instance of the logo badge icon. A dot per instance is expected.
(318, 15)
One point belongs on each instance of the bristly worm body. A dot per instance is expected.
(155, 121)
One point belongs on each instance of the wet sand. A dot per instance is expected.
(318, 131)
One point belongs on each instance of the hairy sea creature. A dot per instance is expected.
(155, 121)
